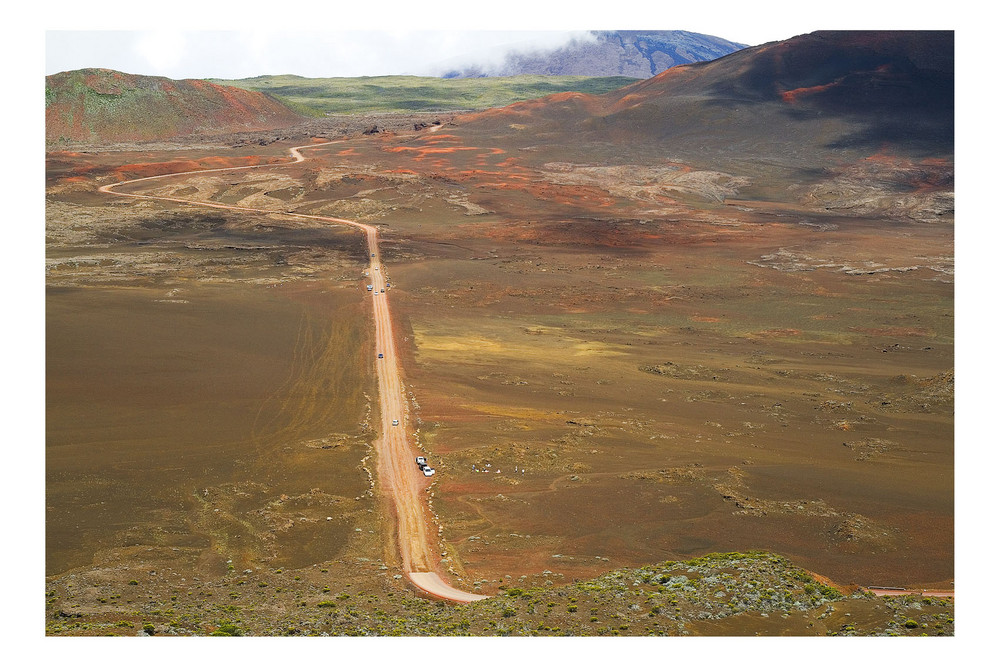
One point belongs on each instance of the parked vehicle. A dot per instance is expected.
(395, 422)
(421, 461)
(379, 355)
(370, 288)
(428, 472)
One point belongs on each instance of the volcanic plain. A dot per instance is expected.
(613, 359)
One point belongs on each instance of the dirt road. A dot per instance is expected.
(398, 474)
(883, 592)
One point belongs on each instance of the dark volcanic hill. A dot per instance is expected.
(834, 114)
(825, 91)
(100, 105)
(633, 53)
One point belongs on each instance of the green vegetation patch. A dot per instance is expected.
(355, 95)
(712, 594)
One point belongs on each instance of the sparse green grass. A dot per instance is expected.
(354, 95)
(227, 629)
(628, 601)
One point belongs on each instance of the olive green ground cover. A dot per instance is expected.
(716, 594)
(345, 95)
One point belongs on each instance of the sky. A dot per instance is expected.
(182, 54)
(325, 39)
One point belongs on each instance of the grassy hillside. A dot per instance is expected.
(104, 105)
(413, 93)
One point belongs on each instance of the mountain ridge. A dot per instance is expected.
(864, 89)
(859, 122)
(633, 53)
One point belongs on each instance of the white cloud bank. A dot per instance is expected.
(239, 54)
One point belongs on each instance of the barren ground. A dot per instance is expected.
(610, 367)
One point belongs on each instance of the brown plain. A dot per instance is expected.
(602, 376)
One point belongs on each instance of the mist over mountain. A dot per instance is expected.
(633, 53)
(833, 91)
(858, 121)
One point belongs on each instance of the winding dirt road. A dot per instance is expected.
(398, 474)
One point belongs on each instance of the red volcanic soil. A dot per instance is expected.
(529, 108)
(648, 89)
(143, 169)
(437, 145)
(434, 150)
(61, 168)
(792, 96)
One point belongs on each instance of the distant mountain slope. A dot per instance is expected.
(848, 121)
(822, 92)
(101, 105)
(632, 53)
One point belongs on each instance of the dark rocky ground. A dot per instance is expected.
(330, 127)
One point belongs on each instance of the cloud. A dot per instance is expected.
(239, 54)
(488, 50)
(161, 49)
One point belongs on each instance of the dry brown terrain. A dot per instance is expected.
(686, 378)
(726, 379)
(402, 487)
(611, 359)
